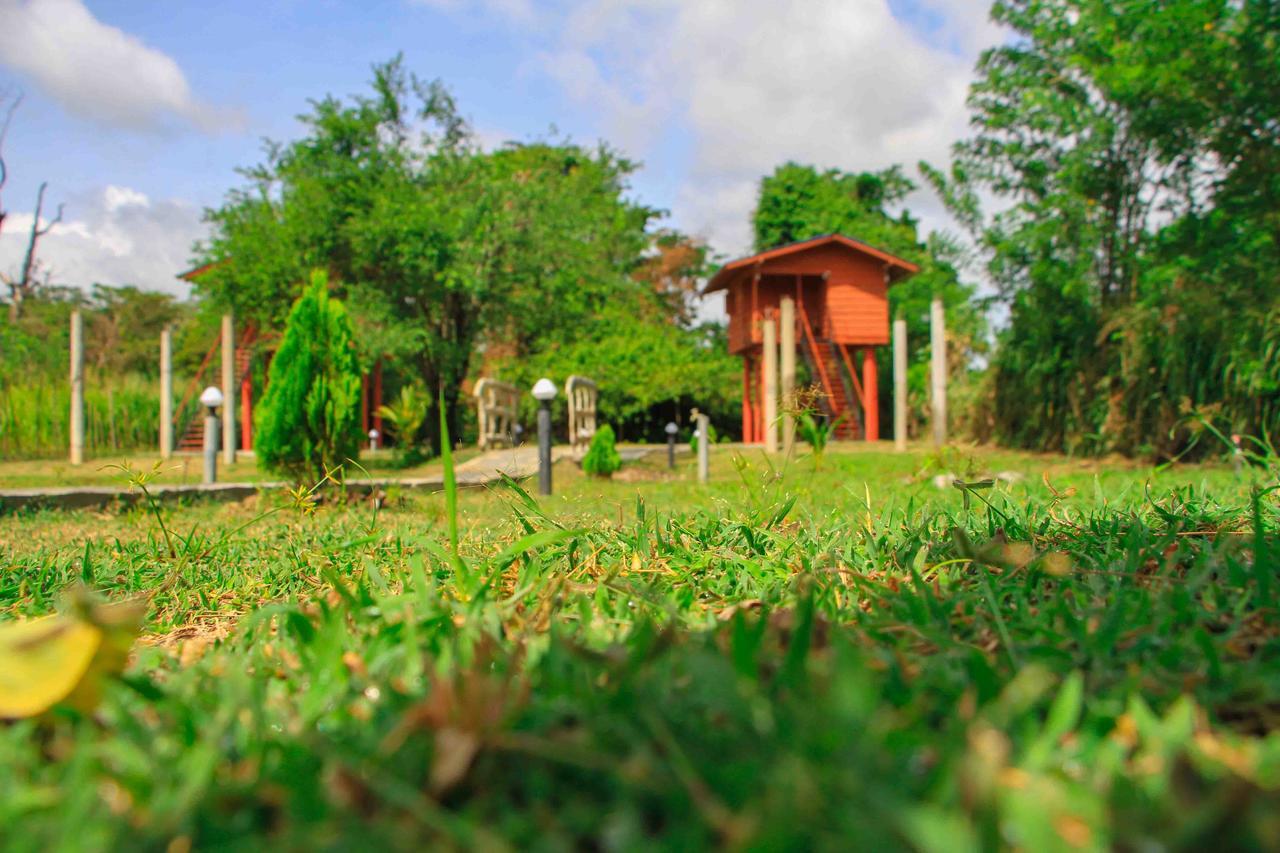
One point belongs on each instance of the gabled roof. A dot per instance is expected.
(196, 272)
(899, 268)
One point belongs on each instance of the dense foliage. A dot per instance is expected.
(1134, 156)
(309, 420)
(775, 660)
(602, 458)
(455, 261)
(797, 202)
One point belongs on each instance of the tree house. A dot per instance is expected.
(841, 292)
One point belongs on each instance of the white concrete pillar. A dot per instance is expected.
(787, 338)
(770, 366)
(228, 390)
(77, 388)
(704, 447)
(938, 372)
(166, 393)
(899, 384)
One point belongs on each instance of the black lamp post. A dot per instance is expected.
(671, 430)
(544, 391)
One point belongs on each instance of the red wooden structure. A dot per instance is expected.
(841, 292)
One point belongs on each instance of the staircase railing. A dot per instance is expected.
(827, 387)
(181, 417)
(853, 375)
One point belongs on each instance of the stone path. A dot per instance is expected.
(488, 468)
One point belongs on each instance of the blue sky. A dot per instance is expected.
(137, 113)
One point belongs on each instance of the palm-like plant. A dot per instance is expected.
(406, 414)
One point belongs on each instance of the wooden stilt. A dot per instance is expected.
(246, 411)
(870, 394)
(228, 389)
(377, 396)
(364, 403)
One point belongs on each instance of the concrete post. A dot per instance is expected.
(544, 447)
(938, 372)
(899, 384)
(704, 448)
(166, 394)
(210, 448)
(770, 360)
(77, 388)
(787, 338)
(228, 390)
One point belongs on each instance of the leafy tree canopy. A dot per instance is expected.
(1134, 153)
(441, 250)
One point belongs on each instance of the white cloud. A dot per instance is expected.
(97, 71)
(520, 11)
(115, 235)
(836, 83)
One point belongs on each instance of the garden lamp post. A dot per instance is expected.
(211, 399)
(544, 391)
(373, 439)
(518, 429)
(671, 430)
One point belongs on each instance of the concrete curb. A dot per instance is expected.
(98, 497)
(483, 473)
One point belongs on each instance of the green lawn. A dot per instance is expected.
(784, 658)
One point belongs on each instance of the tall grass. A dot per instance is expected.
(121, 413)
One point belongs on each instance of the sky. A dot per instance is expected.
(137, 113)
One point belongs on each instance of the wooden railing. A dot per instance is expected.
(818, 361)
(180, 418)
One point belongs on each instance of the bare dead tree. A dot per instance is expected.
(24, 283)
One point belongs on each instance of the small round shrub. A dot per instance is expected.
(602, 457)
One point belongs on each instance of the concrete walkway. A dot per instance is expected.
(485, 469)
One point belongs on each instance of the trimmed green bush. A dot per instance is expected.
(602, 457)
(309, 422)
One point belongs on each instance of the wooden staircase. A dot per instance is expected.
(835, 402)
(841, 391)
(190, 411)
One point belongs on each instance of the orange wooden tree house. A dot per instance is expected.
(841, 292)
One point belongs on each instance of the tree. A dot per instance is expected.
(309, 421)
(24, 283)
(1133, 152)
(441, 250)
(123, 327)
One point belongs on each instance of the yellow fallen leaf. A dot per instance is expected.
(64, 659)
